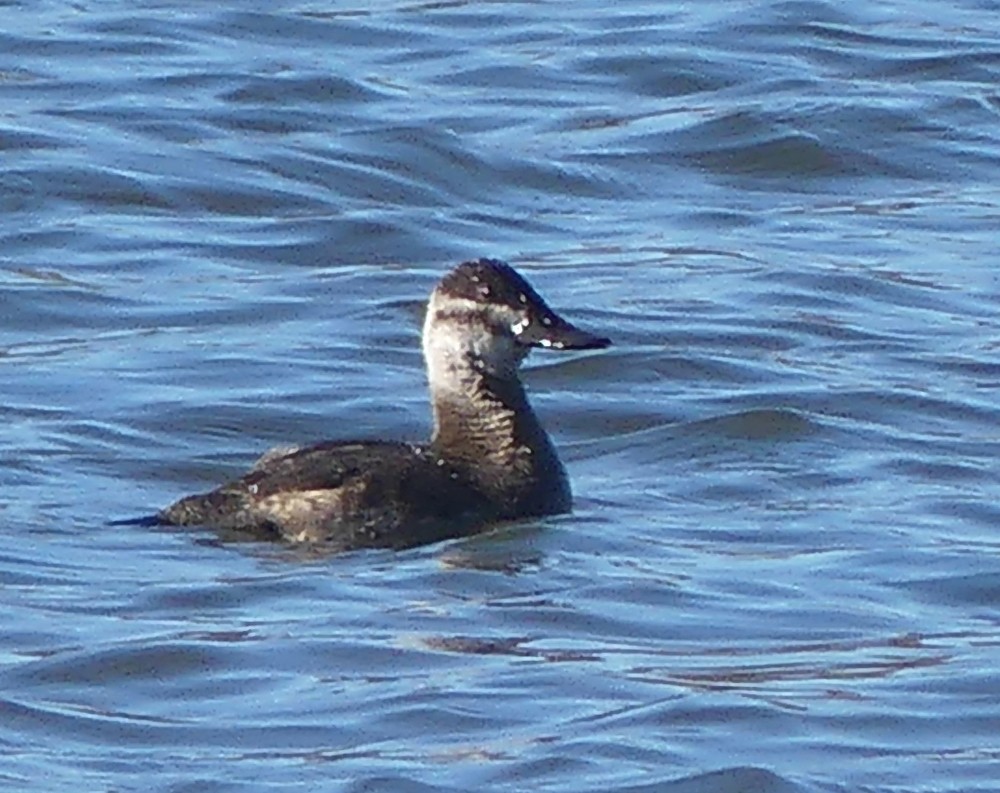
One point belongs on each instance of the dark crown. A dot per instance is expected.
(491, 281)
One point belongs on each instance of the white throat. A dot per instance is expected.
(463, 340)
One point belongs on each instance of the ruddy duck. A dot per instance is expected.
(488, 460)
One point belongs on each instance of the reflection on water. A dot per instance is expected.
(218, 230)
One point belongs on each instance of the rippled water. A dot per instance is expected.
(217, 229)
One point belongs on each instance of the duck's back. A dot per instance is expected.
(348, 494)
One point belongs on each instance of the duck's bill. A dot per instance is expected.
(558, 334)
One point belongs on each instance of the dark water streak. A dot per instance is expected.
(217, 229)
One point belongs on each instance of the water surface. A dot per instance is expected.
(217, 230)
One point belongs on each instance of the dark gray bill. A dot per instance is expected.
(558, 334)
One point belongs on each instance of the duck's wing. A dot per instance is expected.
(353, 494)
(323, 466)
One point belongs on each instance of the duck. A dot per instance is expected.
(488, 460)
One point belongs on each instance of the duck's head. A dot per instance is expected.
(485, 315)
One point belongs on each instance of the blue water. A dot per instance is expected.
(218, 227)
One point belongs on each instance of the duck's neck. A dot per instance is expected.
(483, 419)
(486, 425)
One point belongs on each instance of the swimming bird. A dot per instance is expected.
(488, 460)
